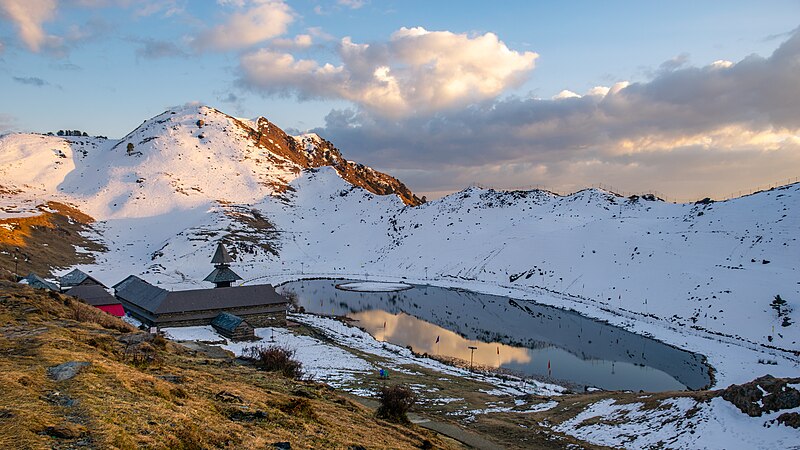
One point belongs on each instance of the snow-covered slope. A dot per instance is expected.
(709, 269)
(180, 159)
(189, 173)
(700, 276)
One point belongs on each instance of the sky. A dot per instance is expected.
(686, 98)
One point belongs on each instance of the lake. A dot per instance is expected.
(522, 336)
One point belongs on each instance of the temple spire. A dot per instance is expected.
(222, 275)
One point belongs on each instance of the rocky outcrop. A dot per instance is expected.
(791, 419)
(311, 151)
(66, 370)
(764, 395)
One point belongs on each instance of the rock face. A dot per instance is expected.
(311, 151)
(764, 395)
(791, 419)
(66, 370)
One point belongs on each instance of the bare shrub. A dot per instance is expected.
(275, 359)
(141, 354)
(299, 407)
(395, 402)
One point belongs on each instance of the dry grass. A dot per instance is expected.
(178, 400)
(45, 241)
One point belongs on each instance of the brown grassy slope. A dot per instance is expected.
(46, 241)
(141, 392)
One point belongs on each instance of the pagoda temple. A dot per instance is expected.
(222, 275)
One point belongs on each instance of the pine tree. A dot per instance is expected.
(777, 304)
(130, 148)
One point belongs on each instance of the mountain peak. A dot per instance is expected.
(184, 157)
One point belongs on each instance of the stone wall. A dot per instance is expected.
(257, 317)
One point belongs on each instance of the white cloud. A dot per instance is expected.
(320, 34)
(298, 42)
(168, 8)
(415, 71)
(29, 16)
(721, 64)
(262, 20)
(565, 94)
(352, 4)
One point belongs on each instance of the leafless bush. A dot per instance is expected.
(275, 359)
(395, 402)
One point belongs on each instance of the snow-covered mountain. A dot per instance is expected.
(700, 276)
(180, 159)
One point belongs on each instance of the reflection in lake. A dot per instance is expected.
(518, 335)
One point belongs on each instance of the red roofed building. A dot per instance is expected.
(98, 297)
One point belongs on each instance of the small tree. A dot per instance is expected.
(130, 148)
(777, 304)
(395, 402)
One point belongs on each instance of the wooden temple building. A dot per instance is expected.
(257, 305)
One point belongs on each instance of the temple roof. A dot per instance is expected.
(75, 278)
(222, 275)
(221, 256)
(156, 300)
(226, 321)
(39, 282)
(93, 294)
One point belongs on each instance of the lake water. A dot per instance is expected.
(522, 336)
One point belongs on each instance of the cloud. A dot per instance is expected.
(263, 20)
(674, 63)
(155, 49)
(67, 66)
(31, 81)
(29, 16)
(230, 97)
(688, 131)
(298, 42)
(352, 4)
(167, 8)
(320, 34)
(416, 71)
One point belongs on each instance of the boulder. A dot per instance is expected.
(66, 370)
(763, 395)
(791, 419)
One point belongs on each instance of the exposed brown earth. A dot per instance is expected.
(46, 242)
